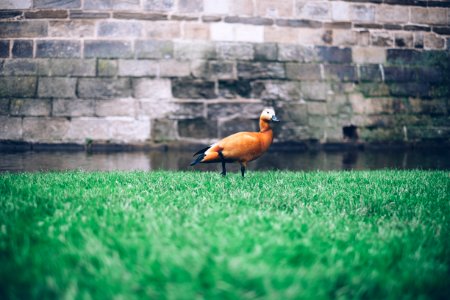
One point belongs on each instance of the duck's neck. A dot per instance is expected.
(264, 126)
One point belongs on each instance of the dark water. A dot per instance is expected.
(172, 160)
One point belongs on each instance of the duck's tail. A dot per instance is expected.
(201, 155)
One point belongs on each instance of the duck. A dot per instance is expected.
(241, 147)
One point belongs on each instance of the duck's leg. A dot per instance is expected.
(243, 166)
(222, 159)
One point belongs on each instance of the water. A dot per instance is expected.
(174, 160)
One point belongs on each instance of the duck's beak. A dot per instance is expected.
(275, 119)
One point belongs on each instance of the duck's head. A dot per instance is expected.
(268, 115)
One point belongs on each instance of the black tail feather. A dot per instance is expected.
(198, 159)
(201, 151)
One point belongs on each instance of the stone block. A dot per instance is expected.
(418, 40)
(128, 130)
(4, 106)
(71, 67)
(215, 7)
(305, 72)
(374, 89)
(125, 15)
(399, 74)
(198, 128)
(11, 67)
(341, 73)
(174, 68)
(422, 15)
(58, 49)
(230, 126)
(46, 14)
(392, 14)
(271, 8)
(152, 88)
(23, 29)
(187, 110)
(137, 68)
(403, 56)
(404, 39)
(108, 49)
(313, 10)
(30, 107)
(315, 90)
(241, 7)
(249, 20)
(381, 39)
(344, 37)
(109, 4)
(265, 52)
(57, 87)
(234, 88)
(159, 5)
(57, 4)
(250, 110)
(310, 37)
(369, 55)
(73, 108)
(152, 108)
(261, 70)
(196, 31)
(107, 67)
(334, 54)
(296, 53)
(292, 112)
(193, 51)
(193, 89)
(116, 29)
(81, 14)
(277, 90)
(190, 6)
(370, 73)
(213, 69)
(72, 29)
(22, 48)
(4, 48)
(16, 4)
(20, 87)
(104, 88)
(362, 13)
(340, 11)
(44, 129)
(163, 130)
(234, 51)
(433, 41)
(154, 49)
(410, 89)
(124, 107)
(83, 129)
(316, 108)
(163, 30)
(10, 128)
(284, 35)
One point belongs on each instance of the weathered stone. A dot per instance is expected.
(403, 57)
(107, 67)
(140, 16)
(154, 49)
(231, 51)
(394, 14)
(334, 54)
(20, 87)
(226, 110)
(119, 29)
(58, 49)
(30, 107)
(4, 48)
(399, 74)
(57, 4)
(316, 108)
(298, 23)
(282, 35)
(163, 30)
(292, 112)
(38, 129)
(315, 90)
(4, 106)
(24, 29)
(265, 52)
(71, 67)
(112, 4)
(341, 73)
(137, 68)
(249, 20)
(369, 55)
(57, 87)
(410, 89)
(190, 6)
(174, 68)
(46, 14)
(261, 70)
(159, 5)
(277, 90)
(214, 69)
(16, 4)
(73, 108)
(199, 128)
(72, 29)
(193, 89)
(418, 40)
(124, 107)
(107, 49)
(421, 15)
(381, 39)
(235, 88)
(362, 13)
(164, 130)
(103, 88)
(11, 67)
(374, 90)
(22, 48)
(303, 71)
(80, 14)
(416, 28)
(234, 125)
(10, 128)
(404, 40)
(432, 41)
(187, 110)
(344, 37)
(210, 19)
(370, 73)
(193, 51)
(196, 31)
(152, 88)
(390, 26)
(313, 10)
(445, 30)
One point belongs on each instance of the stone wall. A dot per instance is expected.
(158, 71)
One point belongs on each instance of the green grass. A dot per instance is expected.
(182, 235)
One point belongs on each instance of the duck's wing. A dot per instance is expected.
(242, 146)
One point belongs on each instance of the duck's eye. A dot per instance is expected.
(267, 112)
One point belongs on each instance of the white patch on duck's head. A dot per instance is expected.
(268, 114)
